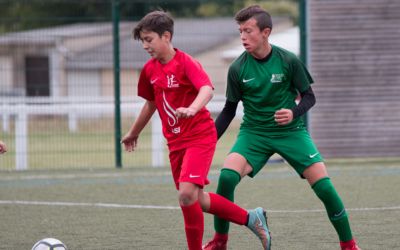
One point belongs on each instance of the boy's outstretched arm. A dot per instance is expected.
(3, 147)
(130, 138)
(203, 97)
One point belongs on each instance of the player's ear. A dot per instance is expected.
(167, 35)
(266, 32)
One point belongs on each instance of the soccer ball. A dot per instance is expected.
(49, 244)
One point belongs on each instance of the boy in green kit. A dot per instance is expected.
(267, 79)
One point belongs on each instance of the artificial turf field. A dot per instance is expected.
(137, 208)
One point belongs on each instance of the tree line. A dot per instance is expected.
(16, 15)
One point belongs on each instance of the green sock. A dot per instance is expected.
(228, 179)
(334, 207)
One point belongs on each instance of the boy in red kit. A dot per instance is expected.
(176, 85)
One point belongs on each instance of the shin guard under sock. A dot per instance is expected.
(334, 207)
(194, 225)
(228, 179)
(227, 210)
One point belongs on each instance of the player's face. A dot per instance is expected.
(155, 45)
(253, 39)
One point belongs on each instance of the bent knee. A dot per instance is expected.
(238, 163)
(187, 196)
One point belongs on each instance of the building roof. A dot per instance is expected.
(51, 35)
(190, 35)
(89, 45)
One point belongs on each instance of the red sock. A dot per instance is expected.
(349, 243)
(194, 225)
(227, 210)
(220, 237)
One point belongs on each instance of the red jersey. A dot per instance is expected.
(173, 85)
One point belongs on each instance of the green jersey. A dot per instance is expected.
(265, 86)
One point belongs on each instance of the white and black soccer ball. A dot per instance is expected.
(49, 244)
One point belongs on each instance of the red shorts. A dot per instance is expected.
(192, 164)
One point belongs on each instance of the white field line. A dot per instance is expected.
(83, 204)
(90, 175)
(114, 205)
(165, 173)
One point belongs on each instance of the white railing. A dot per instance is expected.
(78, 108)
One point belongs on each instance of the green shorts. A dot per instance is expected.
(295, 146)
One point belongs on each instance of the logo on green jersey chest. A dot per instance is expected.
(248, 80)
(277, 78)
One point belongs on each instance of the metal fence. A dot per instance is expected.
(58, 75)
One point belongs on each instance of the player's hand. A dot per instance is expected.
(185, 112)
(283, 116)
(130, 142)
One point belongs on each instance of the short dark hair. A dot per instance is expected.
(262, 17)
(157, 21)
